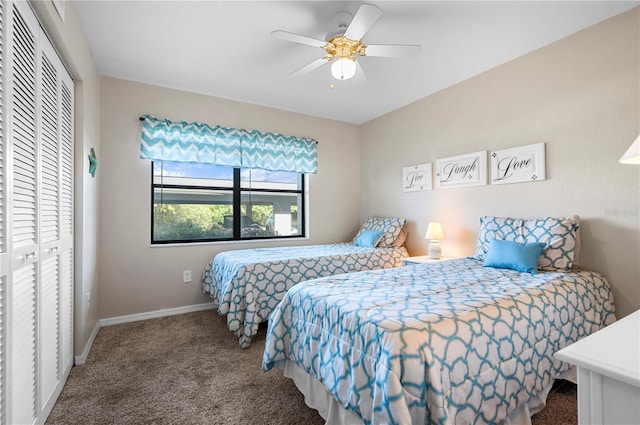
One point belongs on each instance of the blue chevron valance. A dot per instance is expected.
(165, 140)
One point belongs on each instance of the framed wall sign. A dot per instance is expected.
(521, 164)
(463, 170)
(417, 177)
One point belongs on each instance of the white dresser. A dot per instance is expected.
(608, 364)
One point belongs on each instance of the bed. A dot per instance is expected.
(453, 342)
(247, 284)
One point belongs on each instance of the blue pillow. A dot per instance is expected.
(522, 257)
(369, 238)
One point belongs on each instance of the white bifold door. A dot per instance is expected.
(36, 219)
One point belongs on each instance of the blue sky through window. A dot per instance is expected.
(210, 171)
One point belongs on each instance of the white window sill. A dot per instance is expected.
(254, 241)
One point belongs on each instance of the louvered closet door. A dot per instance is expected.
(23, 193)
(4, 260)
(49, 229)
(40, 226)
(56, 225)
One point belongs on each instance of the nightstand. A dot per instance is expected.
(608, 373)
(421, 259)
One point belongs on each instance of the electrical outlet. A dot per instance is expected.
(186, 276)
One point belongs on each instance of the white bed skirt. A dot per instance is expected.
(318, 397)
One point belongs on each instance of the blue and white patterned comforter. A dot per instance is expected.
(442, 343)
(247, 284)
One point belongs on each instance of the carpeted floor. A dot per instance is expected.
(189, 369)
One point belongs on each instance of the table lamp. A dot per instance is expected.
(435, 235)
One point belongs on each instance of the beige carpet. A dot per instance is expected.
(189, 369)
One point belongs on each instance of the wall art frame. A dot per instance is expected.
(462, 170)
(417, 177)
(517, 165)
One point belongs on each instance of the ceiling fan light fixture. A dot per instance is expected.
(343, 68)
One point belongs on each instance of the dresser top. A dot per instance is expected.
(613, 351)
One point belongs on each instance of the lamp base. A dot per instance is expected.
(434, 250)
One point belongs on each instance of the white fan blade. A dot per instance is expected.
(393, 50)
(297, 38)
(309, 67)
(366, 16)
(360, 77)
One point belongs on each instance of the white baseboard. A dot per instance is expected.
(82, 358)
(155, 314)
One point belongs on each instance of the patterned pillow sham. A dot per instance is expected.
(558, 234)
(576, 254)
(390, 226)
(402, 237)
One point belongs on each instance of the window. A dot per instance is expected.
(202, 202)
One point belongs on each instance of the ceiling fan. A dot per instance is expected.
(344, 45)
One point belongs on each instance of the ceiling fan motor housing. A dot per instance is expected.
(341, 47)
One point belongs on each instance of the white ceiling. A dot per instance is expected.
(224, 48)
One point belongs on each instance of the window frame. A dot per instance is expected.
(236, 191)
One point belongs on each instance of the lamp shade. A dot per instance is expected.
(343, 68)
(632, 155)
(434, 231)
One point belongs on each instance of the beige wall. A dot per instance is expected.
(69, 40)
(137, 278)
(581, 96)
